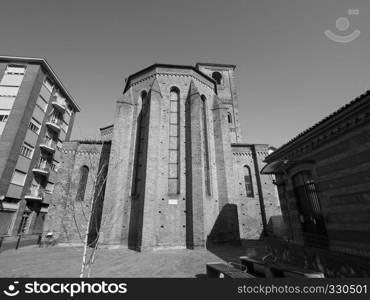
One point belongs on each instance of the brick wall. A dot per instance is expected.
(262, 211)
(68, 218)
(140, 210)
(151, 216)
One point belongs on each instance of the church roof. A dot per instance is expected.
(215, 65)
(159, 65)
(106, 127)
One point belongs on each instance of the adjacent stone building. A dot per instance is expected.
(323, 179)
(36, 117)
(178, 172)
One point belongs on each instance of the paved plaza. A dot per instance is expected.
(33, 261)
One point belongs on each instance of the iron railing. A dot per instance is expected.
(48, 142)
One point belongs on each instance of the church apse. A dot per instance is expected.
(173, 180)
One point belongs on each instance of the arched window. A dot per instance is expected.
(140, 143)
(308, 203)
(143, 95)
(173, 148)
(248, 182)
(84, 173)
(174, 94)
(205, 145)
(229, 118)
(217, 77)
(141, 100)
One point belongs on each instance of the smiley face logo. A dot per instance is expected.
(11, 290)
(342, 25)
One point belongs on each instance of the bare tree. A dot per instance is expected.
(88, 259)
(86, 215)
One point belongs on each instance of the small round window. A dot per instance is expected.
(217, 77)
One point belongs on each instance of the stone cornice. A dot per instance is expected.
(249, 153)
(215, 65)
(154, 76)
(168, 66)
(81, 152)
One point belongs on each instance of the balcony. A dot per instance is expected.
(42, 169)
(58, 105)
(54, 124)
(48, 145)
(34, 194)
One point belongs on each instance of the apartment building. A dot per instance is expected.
(36, 117)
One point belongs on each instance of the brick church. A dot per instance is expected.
(172, 171)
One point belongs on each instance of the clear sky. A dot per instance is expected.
(289, 74)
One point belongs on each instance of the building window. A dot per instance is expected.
(229, 118)
(205, 146)
(59, 145)
(308, 203)
(9, 85)
(84, 174)
(8, 91)
(18, 178)
(69, 109)
(6, 221)
(42, 103)
(217, 77)
(66, 118)
(4, 115)
(140, 101)
(55, 118)
(248, 182)
(6, 102)
(64, 126)
(39, 222)
(140, 142)
(27, 150)
(35, 126)
(35, 188)
(15, 70)
(11, 80)
(49, 187)
(173, 148)
(13, 76)
(55, 166)
(25, 222)
(48, 85)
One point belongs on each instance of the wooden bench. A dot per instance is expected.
(218, 269)
(258, 267)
